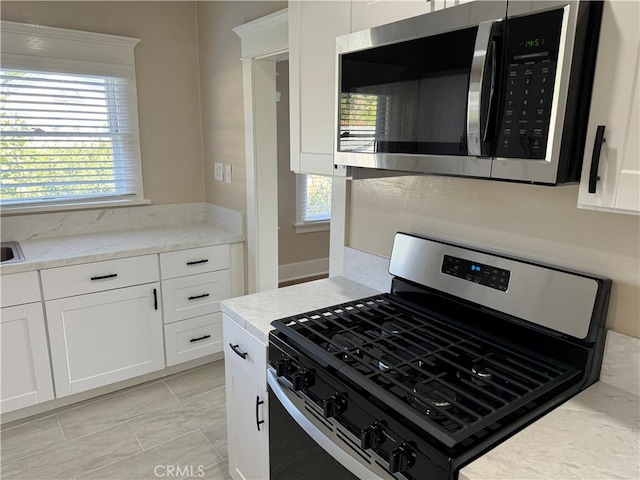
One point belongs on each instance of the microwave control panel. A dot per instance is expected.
(531, 44)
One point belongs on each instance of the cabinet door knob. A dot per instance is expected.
(238, 352)
(104, 277)
(595, 158)
(204, 337)
(195, 297)
(258, 421)
(198, 262)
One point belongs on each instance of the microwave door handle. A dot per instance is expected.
(492, 89)
(482, 46)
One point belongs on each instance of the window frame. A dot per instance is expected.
(59, 50)
(301, 225)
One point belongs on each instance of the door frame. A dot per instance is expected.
(263, 42)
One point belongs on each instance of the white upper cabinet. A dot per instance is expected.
(313, 28)
(372, 13)
(616, 106)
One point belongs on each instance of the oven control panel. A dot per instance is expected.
(475, 272)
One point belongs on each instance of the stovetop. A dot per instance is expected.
(439, 373)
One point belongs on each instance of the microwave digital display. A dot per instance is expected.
(533, 42)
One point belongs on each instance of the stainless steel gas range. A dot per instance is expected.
(466, 349)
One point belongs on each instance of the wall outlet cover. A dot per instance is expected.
(218, 171)
(227, 173)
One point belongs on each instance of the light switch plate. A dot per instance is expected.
(227, 173)
(217, 174)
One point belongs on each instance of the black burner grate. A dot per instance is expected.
(440, 375)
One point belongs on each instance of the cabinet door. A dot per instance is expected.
(26, 373)
(248, 440)
(373, 13)
(105, 337)
(615, 104)
(313, 28)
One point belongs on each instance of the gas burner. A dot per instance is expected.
(342, 342)
(390, 328)
(386, 362)
(480, 375)
(427, 396)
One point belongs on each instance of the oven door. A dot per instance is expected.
(305, 446)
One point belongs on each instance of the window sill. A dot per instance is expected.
(310, 227)
(60, 207)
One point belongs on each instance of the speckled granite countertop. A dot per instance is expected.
(256, 312)
(92, 247)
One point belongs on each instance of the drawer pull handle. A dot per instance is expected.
(238, 352)
(258, 421)
(198, 262)
(204, 337)
(104, 277)
(155, 299)
(195, 297)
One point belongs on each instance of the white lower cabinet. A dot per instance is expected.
(247, 403)
(26, 373)
(102, 338)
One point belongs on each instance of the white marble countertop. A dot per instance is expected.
(595, 435)
(256, 312)
(92, 247)
(592, 436)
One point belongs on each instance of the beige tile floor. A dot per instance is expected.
(172, 428)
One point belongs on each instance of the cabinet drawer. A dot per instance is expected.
(253, 365)
(195, 295)
(195, 260)
(98, 276)
(20, 288)
(193, 338)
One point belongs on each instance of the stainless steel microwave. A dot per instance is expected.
(489, 89)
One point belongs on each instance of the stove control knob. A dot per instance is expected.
(334, 405)
(372, 436)
(401, 458)
(285, 367)
(302, 379)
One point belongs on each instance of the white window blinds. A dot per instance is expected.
(64, 137)
(314, 198)
(68, 119)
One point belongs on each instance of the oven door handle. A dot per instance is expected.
(484, 49)
(336, 451)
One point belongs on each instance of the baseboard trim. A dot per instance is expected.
(299, 270)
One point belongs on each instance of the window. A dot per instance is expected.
(68, 128)
(313, 207)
